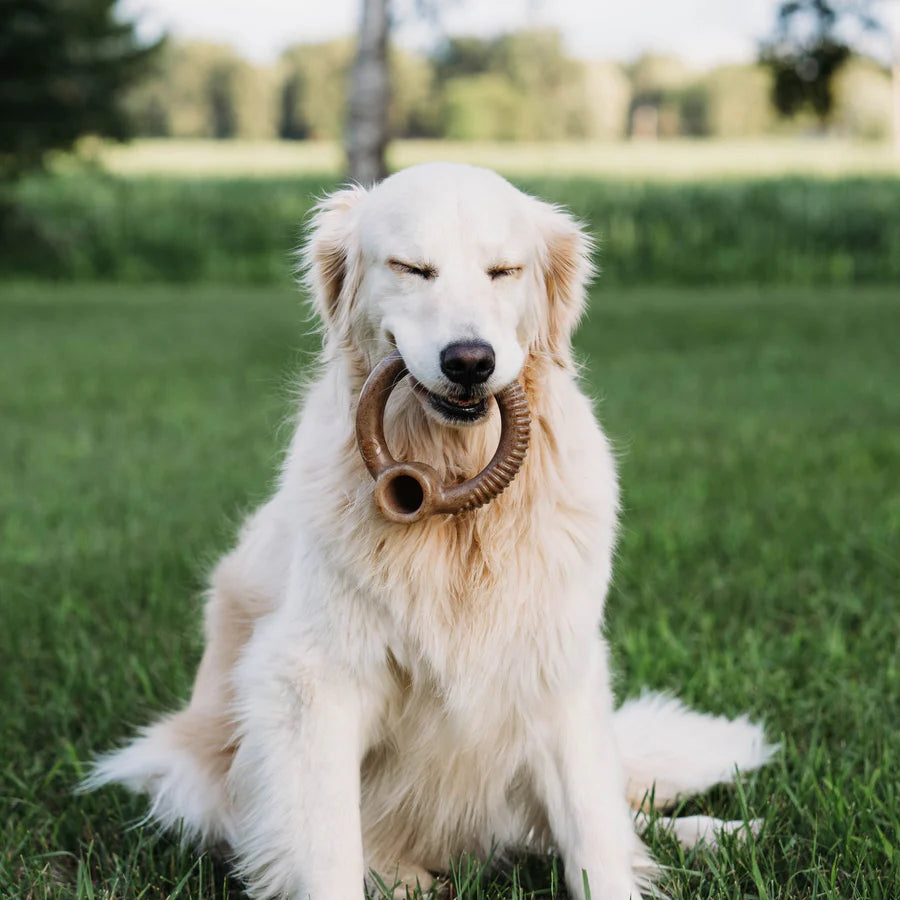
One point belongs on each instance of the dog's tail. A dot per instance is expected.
(670, 752)
(184, 796)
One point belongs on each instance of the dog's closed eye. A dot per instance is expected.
(422, 270)
(503, 271)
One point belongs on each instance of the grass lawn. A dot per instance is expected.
(759, 438)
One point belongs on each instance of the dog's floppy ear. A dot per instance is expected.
(566, 267)
(330, 258)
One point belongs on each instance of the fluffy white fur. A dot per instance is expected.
(382, 697)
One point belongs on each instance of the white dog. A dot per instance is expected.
(380, 697)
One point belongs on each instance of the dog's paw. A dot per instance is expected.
(692, 831)
(612, 889)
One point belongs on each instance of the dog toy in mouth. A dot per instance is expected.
(406, 492)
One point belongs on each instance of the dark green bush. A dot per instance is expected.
(787, 230)
(154, 229)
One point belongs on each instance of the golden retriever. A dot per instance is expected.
(378, 697)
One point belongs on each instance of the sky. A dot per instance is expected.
(704, 32)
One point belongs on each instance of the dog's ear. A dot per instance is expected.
(330, 260)
(566, 267)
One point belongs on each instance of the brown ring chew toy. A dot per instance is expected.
(408, 491)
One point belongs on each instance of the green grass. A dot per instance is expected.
(759, 439)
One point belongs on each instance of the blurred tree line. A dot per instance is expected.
(519, 86)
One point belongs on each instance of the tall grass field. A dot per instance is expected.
(758, 437)
(798, 230)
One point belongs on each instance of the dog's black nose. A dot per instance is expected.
(468, 362)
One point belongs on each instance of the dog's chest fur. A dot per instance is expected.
(477, 655)
(455, 598)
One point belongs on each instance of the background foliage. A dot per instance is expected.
(791, 230)
(65, 69)
(810, 49)
(519, 86)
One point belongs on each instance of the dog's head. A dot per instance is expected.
(465, 275)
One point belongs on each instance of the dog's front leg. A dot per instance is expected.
(579, 777)
(295, 779)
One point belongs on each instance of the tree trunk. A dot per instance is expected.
(367, 121)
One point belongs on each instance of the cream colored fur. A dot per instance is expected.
(382, 697)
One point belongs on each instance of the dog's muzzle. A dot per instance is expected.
(406, 492)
